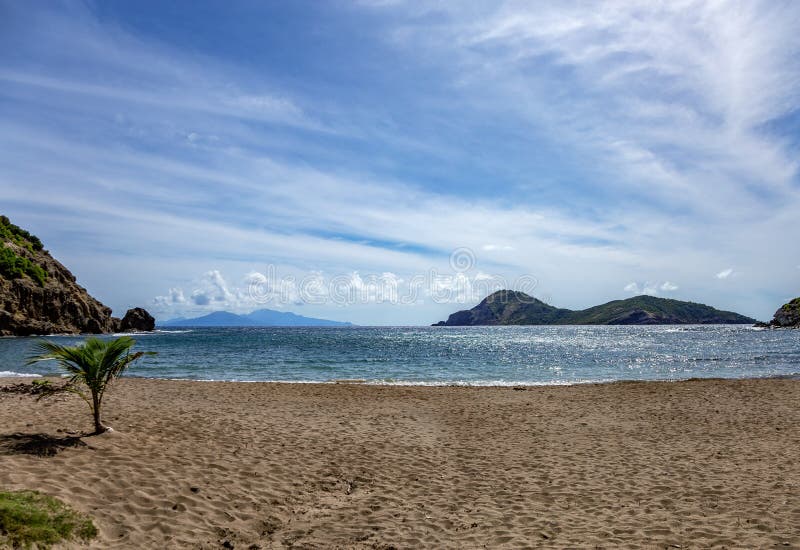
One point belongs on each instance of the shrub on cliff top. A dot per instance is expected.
(17, 235)
(794, 304)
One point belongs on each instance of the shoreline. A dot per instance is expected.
(17, 377)
(699, 463)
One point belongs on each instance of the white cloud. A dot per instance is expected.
(650, 289)
(375, 289)
(673, 104)
(211, 292)
(671, 97)
(725, 273)
(208, 293)
(174, 298)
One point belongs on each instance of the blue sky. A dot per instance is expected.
(200, 156)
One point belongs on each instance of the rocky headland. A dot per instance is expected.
(787, 316)
(38, 295)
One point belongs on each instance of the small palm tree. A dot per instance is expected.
(92, 365)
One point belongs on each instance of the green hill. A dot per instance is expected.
(508, 307)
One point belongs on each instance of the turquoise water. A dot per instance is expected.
(452, 355)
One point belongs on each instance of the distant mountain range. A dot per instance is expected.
(509, 307)
(258, 318)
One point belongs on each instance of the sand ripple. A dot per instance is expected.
(695, 464)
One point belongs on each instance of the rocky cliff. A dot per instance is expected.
(38, 295)
(788, 316)
(508, 307)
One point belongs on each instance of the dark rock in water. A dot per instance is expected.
(508, 307)
(38, 295)
(788, 316)
(137, 320)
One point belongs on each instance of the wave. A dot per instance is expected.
(390, 381)
(466, 383)
(482, 383)
(12, 374)
(138, 333)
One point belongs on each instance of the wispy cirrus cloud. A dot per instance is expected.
(673, 96)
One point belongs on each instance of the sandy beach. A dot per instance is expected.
(693, 464)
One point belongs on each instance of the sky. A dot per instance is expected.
(388, 162)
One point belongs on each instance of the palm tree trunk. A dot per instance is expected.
(98, 426)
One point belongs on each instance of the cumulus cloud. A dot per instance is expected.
(462, 288)
(370, 289)
(650, 289)
(645, 288)
(208, 292)
(173, 298)
(212, 292)
(267, 289)
(725, 273)
(212, 289)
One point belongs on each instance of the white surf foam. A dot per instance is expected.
(12, 374)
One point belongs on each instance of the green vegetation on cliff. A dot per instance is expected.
(17, 235)
(12, 265)
(507, 307)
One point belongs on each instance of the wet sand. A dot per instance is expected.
(694, 464)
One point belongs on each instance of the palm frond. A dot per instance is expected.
(70, 358)
(92, 365)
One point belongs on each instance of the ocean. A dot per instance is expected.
(533, 355)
